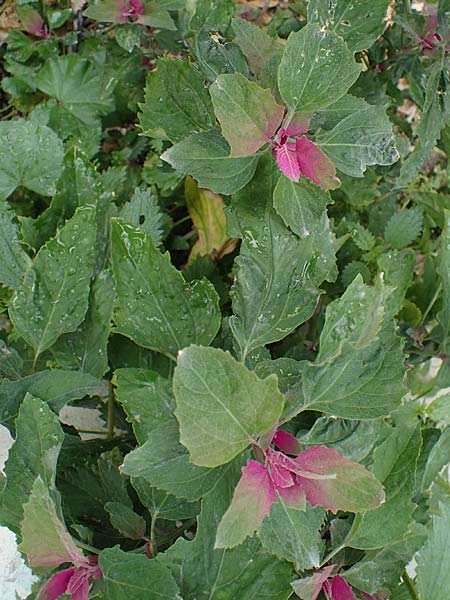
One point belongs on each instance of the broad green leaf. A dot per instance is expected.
(155, 307)
(11, 363)
(146, 398)
(128, 36)
(45, 539)
(222, 407)
(317, 68)
(395, 462)
(398, 270)
(30, 157)
(381, 569)
(34, 453)
(359, 370)
(363, 138)
(126, 521)
(164, 463)
(257, 46)
(438, 458)
(53, 298)
(86, 349)
(206, 210)
(15, 261)
(216, 16)
(176, 101)
(331, 115)
(130, 576)
(443, 270)
(143, 211)
(303, 207)
(206, 156)
(248, 114)
(56, 388)
(276, 274)
(205, 573)
(433, 574)
(436, 111)
(359, 23)
(294, 534)
(161, 504)
(403, 228)
(215, 57)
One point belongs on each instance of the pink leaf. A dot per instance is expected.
(287, 160)
(286, 442)
(81, 592)
(315, 165)
(309, 587)
(346, 485)
(56, 585)
(340, 589)
(298, 125)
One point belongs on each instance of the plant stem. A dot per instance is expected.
(153, 546)
(432, 302)
(410, 586)
(442, 484)
(87, 547)
(111, 413)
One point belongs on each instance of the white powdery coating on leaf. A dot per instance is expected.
(16, 578)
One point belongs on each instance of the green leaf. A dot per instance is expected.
(53, 297)
(294, 534)
(203, 13)
(433, 574)
(143, 212)
(126, 521)
(15, 261)
(215, 57)
(30, 157)
(398, 270)
(130, 576)
(443, 269)
(276, 274)
(155, 307)
(403, 228)
(363, 138)
(248, 114)
(34, 453)
(395, 462)
(436, 111)
(176, 101)
(359, 23)
(128, 36)
(162, 505)
(438, 458)
(206, 156)
(381, 569)
(164, 463)
(317, 69)
(363, 238)
(205, 573)
(45, 539)
(257, 46)
(86, 349)
(222, 407)
(146, 398)
(11, 363)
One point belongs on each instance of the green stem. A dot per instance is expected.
(432, 302)
(410, 586)
(153, 546)
(443, 484)
(87, 547)
(97, 431)
(111, 413)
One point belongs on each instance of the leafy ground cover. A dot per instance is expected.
(225, 298)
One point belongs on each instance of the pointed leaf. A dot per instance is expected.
(317, 68)
(315, 165)
(15, 261)
(286, 156)
(403, 227)
(142, 211)
(155, 307)
(126, 521)
(340, 590)
(53, 298)
(248, 114)
(310, 587)
(222, 407)
(257, 46)
(161, 504)
(206, 156)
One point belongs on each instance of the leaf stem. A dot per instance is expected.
(442, 484)
(111, 413)
(87, 547)
(153, 546)
(410, 586)
(432, 302)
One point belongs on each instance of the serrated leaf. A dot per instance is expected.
(257, 46)
(45, 539)
(15, 261)
(206, 210)
(53, 297)
(142, 211)
(34, 453)
(316, 69)
(433, 575)
(248, 114)
(359, 23)
(362, 237)
(161, 504)
(206, 156)
(276, 274)
(294, 535)
(232, 407)
(126, 521)
(395, 462)
(130, 576)
(403, 227)
(363, 138)
(155, 307)
(176, 101)
(30, 156)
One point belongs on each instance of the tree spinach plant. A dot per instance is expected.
(225, 298)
